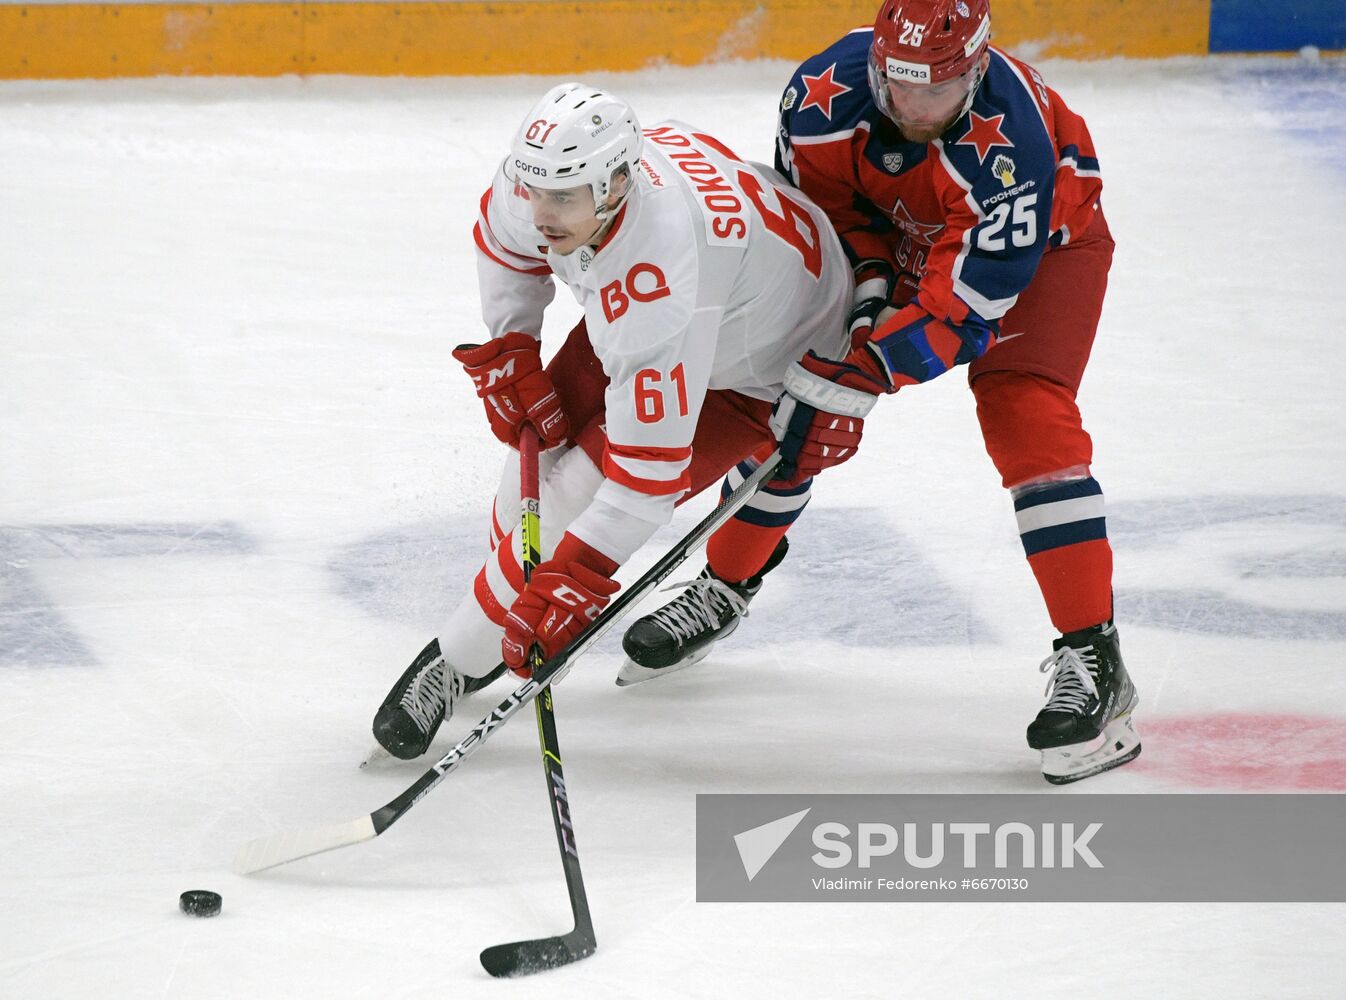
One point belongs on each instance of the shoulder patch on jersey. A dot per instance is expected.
(650, 173)
(821, 90)
(985, 134)
(830, 89)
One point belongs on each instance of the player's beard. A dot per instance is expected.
(924, 132)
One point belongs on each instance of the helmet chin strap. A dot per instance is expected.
(608, 214)
(605, 219)
(972, 90)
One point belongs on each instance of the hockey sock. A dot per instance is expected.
(1064, 534)
(738, 550)
(741, 548)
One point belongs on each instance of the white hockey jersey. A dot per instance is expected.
(716, 274)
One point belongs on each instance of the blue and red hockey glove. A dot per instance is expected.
(819, 419)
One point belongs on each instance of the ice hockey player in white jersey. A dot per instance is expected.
(702, 277)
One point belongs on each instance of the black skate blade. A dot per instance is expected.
(523, 958)
(1070, 779)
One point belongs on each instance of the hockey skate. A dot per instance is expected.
(421, 700)
(1085, 728)
(683, 631)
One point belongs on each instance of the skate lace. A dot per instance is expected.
(425, 697)
(1072, 681)
(699, 606)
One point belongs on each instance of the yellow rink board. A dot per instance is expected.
(552, 37)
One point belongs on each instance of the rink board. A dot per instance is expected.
(79, 40)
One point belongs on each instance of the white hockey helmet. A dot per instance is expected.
(577, 135)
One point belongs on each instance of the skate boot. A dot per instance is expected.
(683, 631)
(1085, 727)
(420, 701)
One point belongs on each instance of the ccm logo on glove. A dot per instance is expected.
(510, 380)
(558, 602)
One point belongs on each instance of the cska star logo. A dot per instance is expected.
(984, 134)
(913, 227)
(821, 91)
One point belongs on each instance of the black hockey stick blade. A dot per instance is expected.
(523, 958)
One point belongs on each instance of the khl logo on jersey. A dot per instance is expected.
(788, 101)
(1003, 167)
(892, 162)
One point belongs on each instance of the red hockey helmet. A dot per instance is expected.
(930, 41)
(931, 48)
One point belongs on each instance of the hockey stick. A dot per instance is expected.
(523, 957)
(281, 848)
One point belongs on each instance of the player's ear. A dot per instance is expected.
(621, 182)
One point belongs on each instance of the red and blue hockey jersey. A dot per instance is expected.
(964, 220)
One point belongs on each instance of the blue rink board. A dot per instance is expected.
(1276, 25)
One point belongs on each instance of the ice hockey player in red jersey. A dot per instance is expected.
(702, 279)
(966, 194)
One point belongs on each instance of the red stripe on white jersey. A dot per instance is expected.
(652, 471)
(490, 607)
(481, 245)
(616, 224)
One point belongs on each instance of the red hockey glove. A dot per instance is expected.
(819, 419)
(510, 381)
(564, 595)
(879, 293)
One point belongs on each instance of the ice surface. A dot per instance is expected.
(241, 480)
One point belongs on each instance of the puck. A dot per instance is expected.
(200, 902)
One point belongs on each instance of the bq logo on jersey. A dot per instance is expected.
(643, 283)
